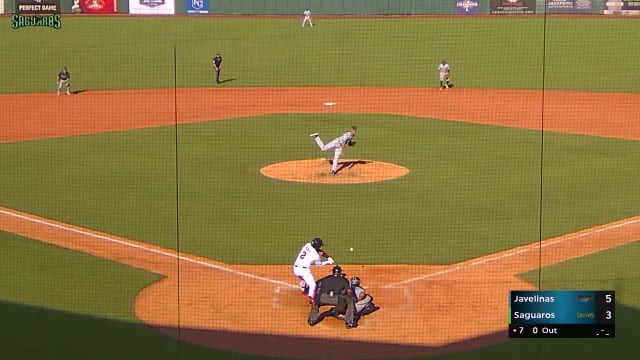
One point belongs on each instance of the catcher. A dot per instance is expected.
(335, 290)
(64, 79)
(364, 302)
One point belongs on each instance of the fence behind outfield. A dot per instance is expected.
(344, 7)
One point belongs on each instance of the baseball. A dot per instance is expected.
(350, 249)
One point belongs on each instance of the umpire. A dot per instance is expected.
(217, 64)
(334, 289)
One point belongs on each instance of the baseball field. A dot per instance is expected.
(154, 214)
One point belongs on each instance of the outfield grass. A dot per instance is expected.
(496, 52)
(46, 276)
(472, 189)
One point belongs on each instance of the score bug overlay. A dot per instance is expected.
(562, 314)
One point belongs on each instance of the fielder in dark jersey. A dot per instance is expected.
(64, 79)
(217, 64)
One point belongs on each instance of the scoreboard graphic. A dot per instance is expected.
(562, 314)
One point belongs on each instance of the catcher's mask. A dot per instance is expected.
(316, 243)
(355, 281)
(337, 271)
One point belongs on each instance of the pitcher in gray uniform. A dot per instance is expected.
(346, 139)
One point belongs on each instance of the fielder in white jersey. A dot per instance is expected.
(310, 254)
(338, 144)
(307, 18)
(443, 70)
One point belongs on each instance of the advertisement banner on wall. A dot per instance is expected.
(569, 6)
(197, 6)
(512, 7)
(37, 7)
(152, 7)
(95, 6)
(467, 7)
(631, 5)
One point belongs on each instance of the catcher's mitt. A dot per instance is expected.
(351, 143)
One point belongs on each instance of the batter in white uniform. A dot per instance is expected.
(310, 254)
(338, 144)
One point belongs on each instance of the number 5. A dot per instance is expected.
(607, 298)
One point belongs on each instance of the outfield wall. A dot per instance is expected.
(352, 7)
(365, 7)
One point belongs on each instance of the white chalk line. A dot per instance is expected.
(512, 252)
(69, 228)
(454, 268)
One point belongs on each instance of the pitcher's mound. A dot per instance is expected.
(319, 171)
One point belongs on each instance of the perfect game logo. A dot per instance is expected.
(39, 13)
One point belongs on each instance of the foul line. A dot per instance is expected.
(214, 265)
(78, 230)
(517, 251)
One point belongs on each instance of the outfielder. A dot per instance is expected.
(307, 18)
(338, 144)
(444, 69)
(310, 254)
(64, 79)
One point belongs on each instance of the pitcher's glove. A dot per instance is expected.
(351, 143)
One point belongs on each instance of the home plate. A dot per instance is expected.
(329, 103)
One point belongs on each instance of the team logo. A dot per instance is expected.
(151, 3)
(197, 4)
(585, 298)
(467, 6)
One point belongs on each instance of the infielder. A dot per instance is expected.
(64, 79)
(444, 69)
(310, 254)
(307, 17)
(338, 144)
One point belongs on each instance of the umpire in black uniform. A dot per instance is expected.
(217, 65)
(334, 289)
